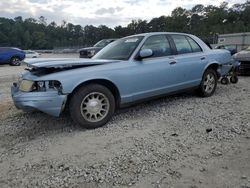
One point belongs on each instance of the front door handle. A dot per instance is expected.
(172, 62)
(203, 58)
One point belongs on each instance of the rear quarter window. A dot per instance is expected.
(195, 47)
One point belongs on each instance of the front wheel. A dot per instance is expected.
(15, 61)
(92, 106)
(208, 84)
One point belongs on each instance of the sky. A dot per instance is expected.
(97, 12)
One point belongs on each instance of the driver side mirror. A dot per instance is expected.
(145, 53)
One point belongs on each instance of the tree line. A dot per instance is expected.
(203, 21)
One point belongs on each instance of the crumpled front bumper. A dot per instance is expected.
(49, 102)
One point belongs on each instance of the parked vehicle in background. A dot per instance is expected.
(231, 48)
(91, 51)
(129, 70)
(244, 58)
(31, 54)
(12, 56)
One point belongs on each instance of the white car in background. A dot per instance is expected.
(31, 54)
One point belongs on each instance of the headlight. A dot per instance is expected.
(54, 84)
(92, 52)
(26, 85)
(40, 86)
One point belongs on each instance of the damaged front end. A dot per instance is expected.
(40, 87)
(31, 92)
(45, 96)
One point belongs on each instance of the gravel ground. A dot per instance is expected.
(176, 141)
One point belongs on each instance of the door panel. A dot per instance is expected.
(191, 67)
(158, 74)
(190, 58)
(154, 77)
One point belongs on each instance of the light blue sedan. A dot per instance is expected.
(126, 71)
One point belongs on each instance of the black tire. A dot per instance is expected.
(224, 81)
(81, 112)
(15, 61)
(234, 79)
(204, 90)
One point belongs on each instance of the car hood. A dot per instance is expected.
(90, 48)
(242, 56)
(65, 62)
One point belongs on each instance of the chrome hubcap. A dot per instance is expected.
(209, 83)
(95, 107)
(15, 61)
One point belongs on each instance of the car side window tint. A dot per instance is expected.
(194, 45)
(159, 44)
(182, 45)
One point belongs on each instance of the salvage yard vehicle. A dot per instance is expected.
(31, 54)
(244, 58)
(131, 69)
(231, 48)
(91, 51)
(12, 56)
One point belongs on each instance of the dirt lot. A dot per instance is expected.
(176, 141)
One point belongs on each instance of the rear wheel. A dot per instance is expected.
(92, 106)
(208, 84)
(15, 61)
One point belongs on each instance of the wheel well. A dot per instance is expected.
(108, 84)
(15, 56)
(215, 67)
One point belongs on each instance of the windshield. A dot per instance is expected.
(121, 49)
(102, 43)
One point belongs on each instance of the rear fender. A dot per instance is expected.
(215, 66)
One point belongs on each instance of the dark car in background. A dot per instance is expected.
(91, 51)
(231, 48)
(12, 56)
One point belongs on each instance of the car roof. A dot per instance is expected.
(109, 39)
(9, 48)
(159, 33)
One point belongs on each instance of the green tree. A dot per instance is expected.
(204, 21)
(27, 42)
(3, 38)
(39, 40)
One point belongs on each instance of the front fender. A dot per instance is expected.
(69, 88)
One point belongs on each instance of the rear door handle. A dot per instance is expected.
(203, 58)
(172, 62)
